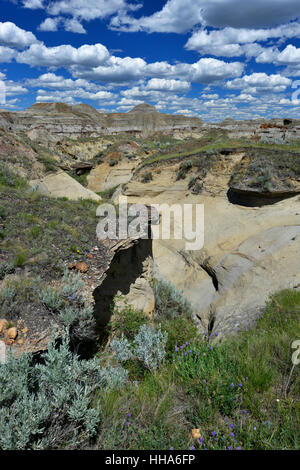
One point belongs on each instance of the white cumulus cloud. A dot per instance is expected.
(260, 82)
(13, 36)
(64, 55)
(162, 84)
(49, 24)
(180, 16)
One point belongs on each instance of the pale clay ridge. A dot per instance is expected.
(62, 185)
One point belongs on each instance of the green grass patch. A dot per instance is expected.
(234, 391)
(42, 231)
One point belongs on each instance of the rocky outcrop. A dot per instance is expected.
(62, 185)
(258, 267)
(273, 131)
(46, 122)
(249, 252)
(51, 122)
(19, 157)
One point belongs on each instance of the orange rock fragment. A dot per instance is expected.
(12, 333)
(196, 434)
(82, 267)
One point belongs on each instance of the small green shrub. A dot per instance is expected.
(72, 284)
(82, 179)
(6, 268)
(195, 185)
(169, 301)
(122, 348)
(35, 231)
(72, 314)
(20, 259)
(52, 298)
(10, 178)
(126, 321)
(183, 169)
(179, 329)
(108, 193)
(8, 293)
(149, 346)
(147, 177)
(80, 322)
(3, 212)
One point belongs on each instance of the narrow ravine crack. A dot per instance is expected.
(211, 272)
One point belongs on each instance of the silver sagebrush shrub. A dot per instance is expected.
(51, 298)
(169, 301)
(72, 284)
(47, 405)
(149, 346)
(122, 348)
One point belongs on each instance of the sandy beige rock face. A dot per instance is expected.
(248, 253)
(104, 177)
(62, 185)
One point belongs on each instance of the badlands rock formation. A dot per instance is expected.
(250, 196)
(250, 251)
(53, 121)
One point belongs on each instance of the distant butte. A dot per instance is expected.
(143, 108)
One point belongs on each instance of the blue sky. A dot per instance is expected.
(207, 58)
